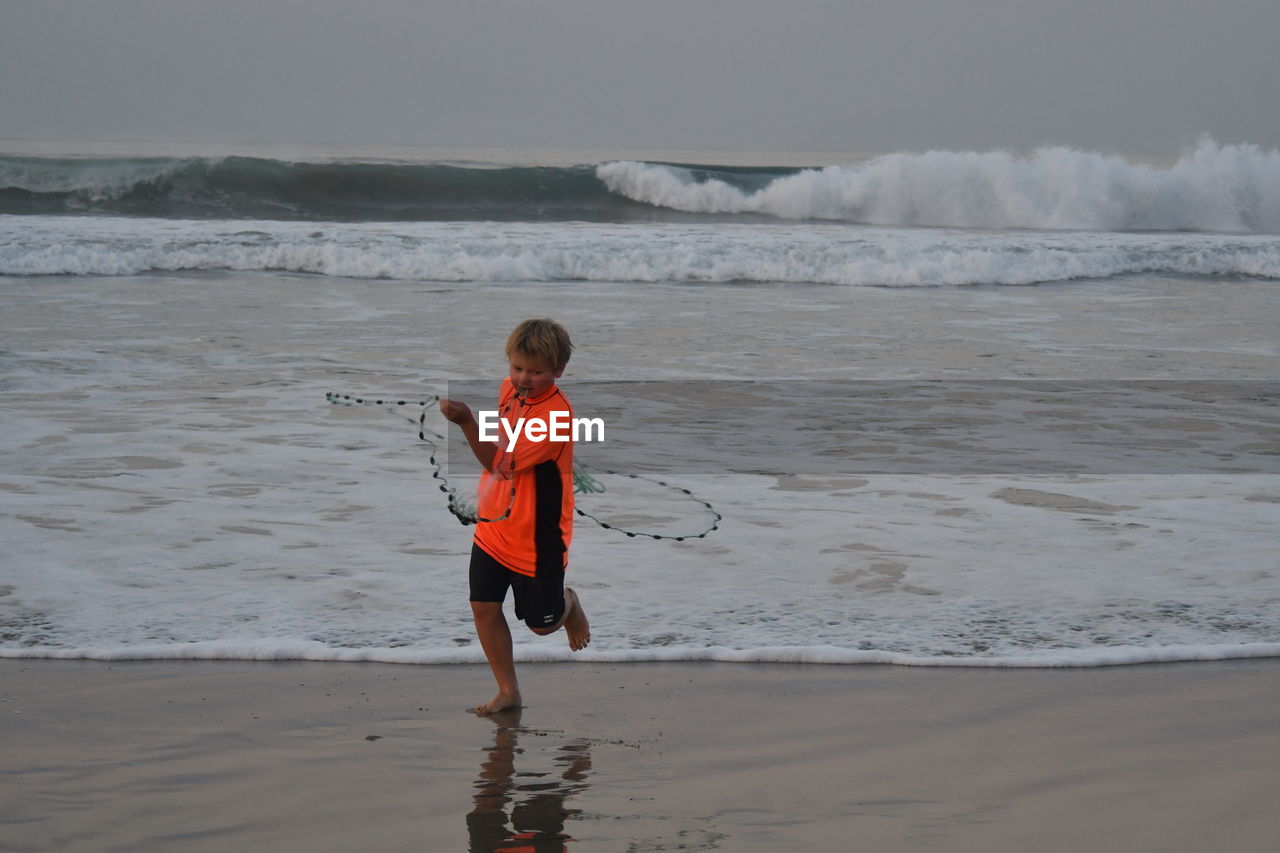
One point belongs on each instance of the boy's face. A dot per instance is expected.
(532, 377)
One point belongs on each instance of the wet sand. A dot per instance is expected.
(179, 756)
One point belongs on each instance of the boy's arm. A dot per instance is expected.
(460, 414)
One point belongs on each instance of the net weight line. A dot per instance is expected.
(583, 482)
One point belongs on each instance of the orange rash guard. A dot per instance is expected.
(537, 530)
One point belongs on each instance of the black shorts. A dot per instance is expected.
(539, 600)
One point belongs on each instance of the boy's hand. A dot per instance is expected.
(460, 414)
(455, 412)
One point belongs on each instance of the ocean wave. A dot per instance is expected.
(260, 188)
(541, 252)
(1234, 188)
(1213, 188)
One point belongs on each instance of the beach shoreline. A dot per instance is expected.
(209, 755)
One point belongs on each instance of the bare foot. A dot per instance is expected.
(501, 702)
(575, 622)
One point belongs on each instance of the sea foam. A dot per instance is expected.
(817, 253)
(1231, 188)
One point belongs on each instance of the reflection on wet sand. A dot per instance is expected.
(524, 810)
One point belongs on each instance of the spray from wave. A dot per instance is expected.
(1234, 188)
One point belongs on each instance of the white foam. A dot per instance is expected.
(290, 650)
(1233, 188)
(508, 252)
(238, 530)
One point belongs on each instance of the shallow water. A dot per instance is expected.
(176, 484)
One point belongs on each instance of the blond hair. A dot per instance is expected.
(543, 340)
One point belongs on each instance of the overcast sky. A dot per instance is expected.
(1121, 76)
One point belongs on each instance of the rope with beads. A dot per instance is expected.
(583, 482)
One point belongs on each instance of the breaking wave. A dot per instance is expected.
(1213, 188)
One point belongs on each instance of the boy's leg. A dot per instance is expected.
(495, 639)
(489, 581)
(574, 621)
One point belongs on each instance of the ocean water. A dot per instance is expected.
(946, 408)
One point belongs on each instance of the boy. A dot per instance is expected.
(526, 493)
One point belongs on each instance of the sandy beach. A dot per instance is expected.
(638, 757)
